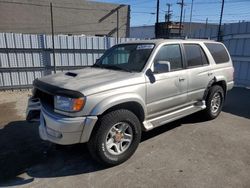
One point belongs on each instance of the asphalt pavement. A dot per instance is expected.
(189, 152)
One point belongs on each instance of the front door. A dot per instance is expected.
(168, 90)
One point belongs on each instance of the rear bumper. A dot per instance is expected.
(65, 130)
(230, 85)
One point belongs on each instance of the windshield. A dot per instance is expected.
(126, 57)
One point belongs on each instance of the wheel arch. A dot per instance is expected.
(220, 81)
(127, 101)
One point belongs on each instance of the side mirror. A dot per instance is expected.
(150, 75)
(98, 59)
(162, 67)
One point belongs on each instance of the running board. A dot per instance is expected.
(166, 118)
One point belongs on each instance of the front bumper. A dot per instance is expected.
(65, 130)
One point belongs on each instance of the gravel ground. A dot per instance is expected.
(13, 106)
(186, 153)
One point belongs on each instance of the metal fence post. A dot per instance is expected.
(53, 40)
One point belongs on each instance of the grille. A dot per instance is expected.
(45, 98)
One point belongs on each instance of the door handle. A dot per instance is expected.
(181, 79)
(210, 74)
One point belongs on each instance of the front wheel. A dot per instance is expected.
(116, 137)
(214, 102)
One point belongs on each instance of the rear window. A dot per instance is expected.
(195, 55)
(218, 52)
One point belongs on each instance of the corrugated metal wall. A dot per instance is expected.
(24, 57)
(236, 37)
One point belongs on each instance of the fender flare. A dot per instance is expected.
(211, 82)
(114, 100)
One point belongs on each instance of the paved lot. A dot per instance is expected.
(185, 153)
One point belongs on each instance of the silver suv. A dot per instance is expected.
(133, 87)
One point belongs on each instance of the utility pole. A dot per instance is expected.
(182, 5)
(221, 14)
(117, 25)
(167, 18)
(183, 21)
(157, 18)
(157, 11)
(184, 16)
(206, 27)
(169, 14)
(53, 39)
(191, 15)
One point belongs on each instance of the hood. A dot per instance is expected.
(92, 80)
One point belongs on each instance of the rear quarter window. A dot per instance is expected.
(218, 52)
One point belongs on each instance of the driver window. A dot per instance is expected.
(171, 53)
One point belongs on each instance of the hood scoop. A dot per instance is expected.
(72, 74)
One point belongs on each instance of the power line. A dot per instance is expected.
(216, 15)
(218, 2)
(214, 20)
(150, 19)
(152, 13)
(46, 25)
(151, 7)
(142, 2)
(55, 6)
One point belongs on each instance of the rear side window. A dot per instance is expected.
(218, 52)
(195, 55)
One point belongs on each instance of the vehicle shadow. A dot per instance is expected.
(238, 102)
(22, 151)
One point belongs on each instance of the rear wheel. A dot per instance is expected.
(116, 137)
(214, 102)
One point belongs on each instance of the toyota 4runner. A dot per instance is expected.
(133, 87)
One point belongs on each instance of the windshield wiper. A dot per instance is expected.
(115, 67)
(98, 66)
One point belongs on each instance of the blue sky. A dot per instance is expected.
(141, 10)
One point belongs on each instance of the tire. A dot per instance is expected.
(215, 96)
(109, 144)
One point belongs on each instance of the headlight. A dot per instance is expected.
(68, 104)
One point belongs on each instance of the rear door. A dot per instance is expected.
(223, 66)
(199, 71)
